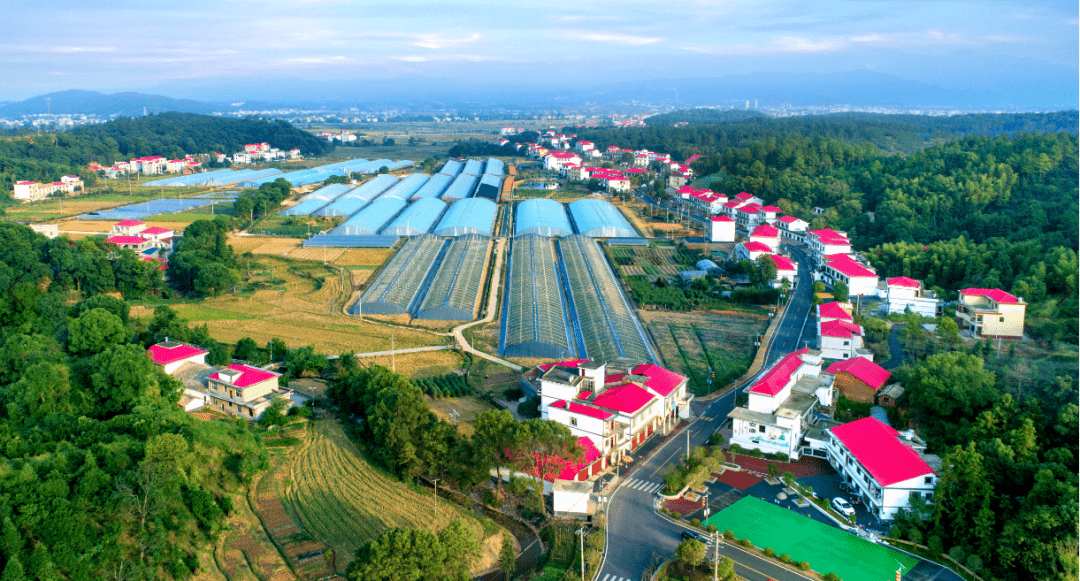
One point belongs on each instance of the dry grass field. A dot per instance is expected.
(339, 499)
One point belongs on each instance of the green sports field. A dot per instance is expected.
(827, 549)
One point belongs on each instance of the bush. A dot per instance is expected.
(769, 552)
(716, 439)
(784, 558)
(735, 449)
(695, 522)
(782, 457)
(711, 529)
(665, 510)
(957, 554)
(676, 515)
(805, 565)
(756, 453)
(935, 545)
(915, 536)
(746, 543)
(974, 563)
(729, 535)
(832, 577)
(490, 498)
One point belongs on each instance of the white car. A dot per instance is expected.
(843, 507)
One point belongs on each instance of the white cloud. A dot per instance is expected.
(316, 60)
(615, 38)
(778, 45)
(439, 42)
(472, 58)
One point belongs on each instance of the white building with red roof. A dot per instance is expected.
(136, 243)
(778, 413)
(990, 312)
(885, 468)
(722, 229)
(751, 250)
(901, 294)
(701, 200)
(170, 355)
(767, 235)
(859, 278)
(824, 242)
(748, 216)
(555, 160)
(785, 269)
(244, 390)
(617, 405)
(791, 228)
(839, 336)
(128, 227)
(746, 198)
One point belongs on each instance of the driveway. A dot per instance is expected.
(896, 350)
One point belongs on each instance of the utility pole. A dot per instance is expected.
(716, 553)
(393, 358)
(688, 444)
(436, 498)
(581, 533)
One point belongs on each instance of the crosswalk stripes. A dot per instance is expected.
(610, 577)
(645, 485)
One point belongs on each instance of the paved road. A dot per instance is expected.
(635, 532)
(896, 350)
(793, 330)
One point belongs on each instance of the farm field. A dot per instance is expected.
(652, 260)
(299, 302)
(691, 343)
(339, 499)
(71, 206)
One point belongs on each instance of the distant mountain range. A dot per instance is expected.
(860, 88)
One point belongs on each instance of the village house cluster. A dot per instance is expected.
(150, 243)
(33, 191)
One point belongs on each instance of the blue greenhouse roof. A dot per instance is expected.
(462, 187)
(369, 220)
(541, 216)
(417, 219)
(452, 168)
(494, 167)
(473, 167)
(599, 219)
(435, 186)
(468, 216)
(406, 187)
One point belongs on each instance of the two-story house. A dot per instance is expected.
(767, 235)
(791, 228)
(617, 405)
(170, 355)
(822, 243)
(885, 469)
(722, 229)
(839, 336)
(779, 409)
(990, 312)
(244, 391)
(901, 294)
(860, 279)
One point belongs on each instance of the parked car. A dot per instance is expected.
(694, 535)
(843, 507)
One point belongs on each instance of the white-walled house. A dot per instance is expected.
(885, 469)
(779, 410)
(825, 242)
(860, 279)
(901, 294)
(751, 250)
(840, 337)
(767, 235)
(991, 312)
(785, 269)
(722, 229)
(617, 405)
(170, 355)
(791, 228)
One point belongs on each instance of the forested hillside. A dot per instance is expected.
(47, 157)
(712, 131)
(103, 475)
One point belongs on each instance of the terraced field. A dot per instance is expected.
(340, 500)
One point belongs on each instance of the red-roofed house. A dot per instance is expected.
(555, 160)
(128, 228)
(749, 216)
(778, 412)
(767, 235)
(859, 278)
(885, 469)
(243, 390)
(722, 229)
(826, 241)
(791, 228)
(749, 198)
(833, 312)
(159, 237)
(136, 243)
(171, 355)
(785, 269)
(859, 378)
(904, 294)
(990, 312)
(751, 250)
(842, 340)
(616, 405)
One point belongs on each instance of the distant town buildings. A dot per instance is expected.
(33, 191)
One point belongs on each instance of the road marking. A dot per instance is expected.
(606, 576)
(665, 462)
(705, 419)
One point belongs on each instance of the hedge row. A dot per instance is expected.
(449, 385)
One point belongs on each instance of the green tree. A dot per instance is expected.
(764, 271)
(13, 571)
(840, 291)
(690, 553)
(461, 548)
(948, 386)
(507, 556)
(399, 555)
(496, 439)
(214, 278)
(95, 330)
(119, 375)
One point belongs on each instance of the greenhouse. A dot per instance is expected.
(406, 187)
(489, 187)
(452, 168)
(541, 216)
(473, 168)
(351, 202)
(315, 200)
(435, 186)
(417, 219)
(599, 219)
(534, 314)
(454, 293)
(495, 167)
(469, 216)
(400, 284)
(461, 188)
(371, 218)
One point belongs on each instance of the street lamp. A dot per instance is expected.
(581, 533)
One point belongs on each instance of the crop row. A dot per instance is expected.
(449, 385)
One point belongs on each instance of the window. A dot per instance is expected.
(929, 496)
(928, 480)
(573, 421)
(1002, 319)
(761, 429)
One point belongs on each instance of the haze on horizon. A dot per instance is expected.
(172, 47)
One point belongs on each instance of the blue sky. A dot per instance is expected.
(50, 45)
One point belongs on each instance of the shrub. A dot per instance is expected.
(935, 545)
(784, 558)
(957, 554)
(832, 577)
(735, 449)
(805, 565)
(665, 510)
(729, 535)
(676, 515)
(695, 521)
(746, 543)
(769, 552)
(915, 536)
(782, 457)
(974, 563)
(756, 453)
(490, 498)
(788, 475)
(711, 529)
(716, 439)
